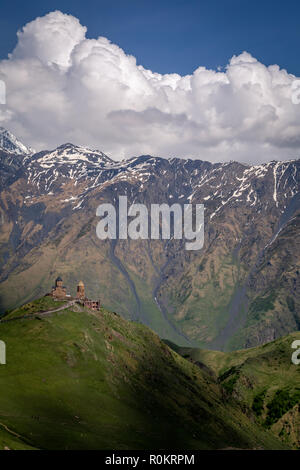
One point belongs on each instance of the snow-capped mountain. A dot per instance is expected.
(9, 143)
(69, 154)
(241, 289)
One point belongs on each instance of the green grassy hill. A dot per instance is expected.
(78, 379)
(263, 380)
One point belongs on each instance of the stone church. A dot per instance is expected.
(59, 292)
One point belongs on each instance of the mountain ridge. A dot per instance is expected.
(240, 290)
(22, 149)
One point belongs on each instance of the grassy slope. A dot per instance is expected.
(86, 380)
(41, 305)
(9, 440)
(263, 379)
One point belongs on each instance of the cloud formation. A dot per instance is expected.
(63, 87)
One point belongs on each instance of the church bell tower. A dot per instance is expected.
(80, 291)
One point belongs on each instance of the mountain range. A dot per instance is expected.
(240, 290)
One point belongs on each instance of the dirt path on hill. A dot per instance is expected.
(33, 315)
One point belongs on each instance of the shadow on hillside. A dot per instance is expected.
(181, 405)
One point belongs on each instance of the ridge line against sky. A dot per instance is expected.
(62, 86)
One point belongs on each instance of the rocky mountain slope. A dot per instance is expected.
(91, 380)
(240, 290)
(9, 143)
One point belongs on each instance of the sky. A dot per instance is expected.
(176, 35)
(200, 79)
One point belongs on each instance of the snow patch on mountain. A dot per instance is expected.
(9, 143)
(69, 154)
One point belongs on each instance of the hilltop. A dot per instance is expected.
(83, 379)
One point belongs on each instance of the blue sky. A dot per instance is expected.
(178, 35)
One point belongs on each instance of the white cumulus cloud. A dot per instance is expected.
(63, 87)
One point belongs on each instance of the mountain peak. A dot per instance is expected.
(9, 143)
(67, 145)
(70, 154)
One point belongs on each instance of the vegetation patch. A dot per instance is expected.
(261, 305)
(85, 229)
(281, 403)
(228, 373)
(258, 403)
(229, 378)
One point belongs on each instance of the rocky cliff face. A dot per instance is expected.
(240, 290)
